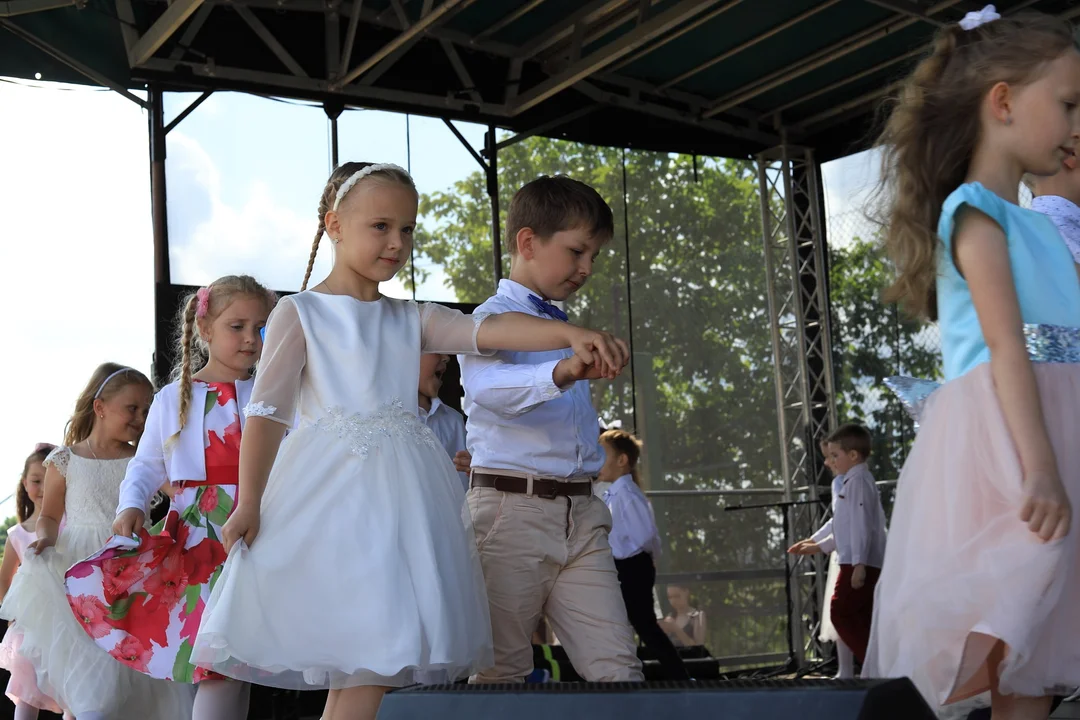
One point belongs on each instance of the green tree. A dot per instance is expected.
(872, 341)
(4, 527)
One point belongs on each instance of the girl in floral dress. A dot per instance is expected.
(22, 689)
(155, 586)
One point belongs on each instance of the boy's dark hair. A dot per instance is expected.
(549, 205)
(852, 436)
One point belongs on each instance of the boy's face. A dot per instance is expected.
(432, 367)
(825, 454)
(1065, 183)
(558, 266)
(841, 461)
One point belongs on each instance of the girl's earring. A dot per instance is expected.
(1008, 120)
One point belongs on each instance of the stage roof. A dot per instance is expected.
(710, 77)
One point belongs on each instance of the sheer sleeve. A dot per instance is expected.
(277, 382)
(448, 331)
(58, 458)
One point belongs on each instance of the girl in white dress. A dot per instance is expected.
(352, 565)
(22, 689)
(82, 484)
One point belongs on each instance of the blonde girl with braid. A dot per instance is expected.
(352, 565)
(82, 485)
(154, 588)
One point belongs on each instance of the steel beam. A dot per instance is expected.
(508, 20)
(589, 13)
(749, 43)
(187, 111)
(909, 8)
(818, 59)
(460, 70)
(675, 35)
(610, 53)
(162, 29)
(76, 65)
(11, 8)
(542, 128)
(191, 31)
(270, 41)
(350, 36)
(407, 35)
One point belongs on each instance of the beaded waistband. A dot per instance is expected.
(1045, 344)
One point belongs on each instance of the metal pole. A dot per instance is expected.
(493, 193)
(158, 204)
(333, 111)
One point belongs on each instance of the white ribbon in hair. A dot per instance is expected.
(359, 175)
(974, 19)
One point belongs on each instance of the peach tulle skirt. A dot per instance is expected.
(962, 571)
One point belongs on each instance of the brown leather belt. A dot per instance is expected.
(545, 488)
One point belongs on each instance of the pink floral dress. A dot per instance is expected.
(148, 599)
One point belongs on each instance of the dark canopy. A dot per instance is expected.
(718, 77)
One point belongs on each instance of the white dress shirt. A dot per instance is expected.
(519, 420)
(856, 531)
(633, 525)
(449, 426)
(1066, 216)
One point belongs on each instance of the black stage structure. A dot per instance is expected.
(787, 83)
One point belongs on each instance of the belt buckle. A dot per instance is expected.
(549, 495)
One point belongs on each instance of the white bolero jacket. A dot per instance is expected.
(156, 461)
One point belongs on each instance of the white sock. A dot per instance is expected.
(221, 700)
(25, 712)
(846, 660)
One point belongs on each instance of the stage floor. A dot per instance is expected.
(1067, 711)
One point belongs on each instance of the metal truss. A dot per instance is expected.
(796, 276)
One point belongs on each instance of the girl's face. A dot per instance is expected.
(123, 415)
(34, 482)
(233, 336)
(1043, 116)
(375, 228)
(614, 466)
(678, 597)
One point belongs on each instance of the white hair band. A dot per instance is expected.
(101, 387)
(359, 175)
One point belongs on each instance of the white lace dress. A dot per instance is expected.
(70, 667)
(365, 570)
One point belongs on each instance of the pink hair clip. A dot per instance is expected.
(202, 296)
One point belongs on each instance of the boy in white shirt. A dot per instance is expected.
(635, 543)
(534, 438)
(856, 532)
(446, 422)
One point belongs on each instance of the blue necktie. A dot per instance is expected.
(548, 309)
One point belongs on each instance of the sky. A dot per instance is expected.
(244, 175)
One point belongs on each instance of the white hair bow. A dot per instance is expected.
(974, 19)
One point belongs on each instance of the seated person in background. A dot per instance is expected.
(685, 625)
(446, 422)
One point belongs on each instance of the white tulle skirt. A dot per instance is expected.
(962, 571)
(364, 571)
(70, 667)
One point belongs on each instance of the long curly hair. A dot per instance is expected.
(932, 131)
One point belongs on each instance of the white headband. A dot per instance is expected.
(975, 19)
(359, 174)
(101, 387)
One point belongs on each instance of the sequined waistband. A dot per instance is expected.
(1052, 343)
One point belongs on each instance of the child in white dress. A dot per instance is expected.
(844, 658)
(351, 565)
(22, 689)
(82, 484)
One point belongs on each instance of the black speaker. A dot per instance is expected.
(719, 700)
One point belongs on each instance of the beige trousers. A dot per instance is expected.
(551, 557)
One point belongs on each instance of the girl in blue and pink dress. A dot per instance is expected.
(156, 586)
(980, 589)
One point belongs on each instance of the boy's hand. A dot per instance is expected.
(574, 368)
(804, 547)
(858, 577)
(607, 352)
